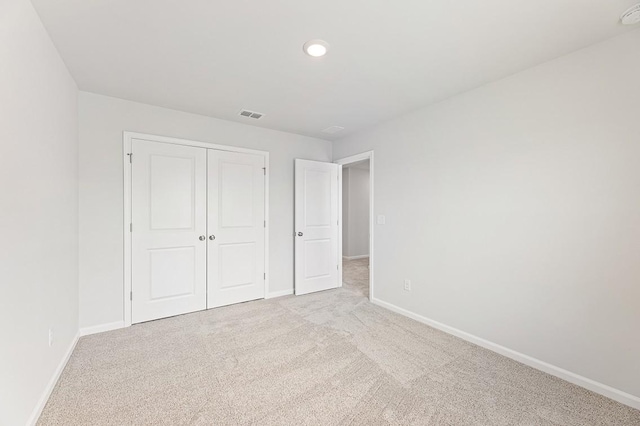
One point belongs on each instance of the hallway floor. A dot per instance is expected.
(355, 275)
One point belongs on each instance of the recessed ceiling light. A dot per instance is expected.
(631, 16)
(316, 48)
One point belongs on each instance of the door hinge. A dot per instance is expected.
(338, 267)
(130, 295)
(131, 227)
(265, 223)
(264, 169)
(130, 157)
(264, 276)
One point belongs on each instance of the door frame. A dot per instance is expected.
(127, 138)
(345, 161)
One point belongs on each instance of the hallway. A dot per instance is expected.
(355, 275)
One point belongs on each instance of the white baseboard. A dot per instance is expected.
(35, 415)
(274, 294)
(363, 256)
(592, 385)
(101, 328)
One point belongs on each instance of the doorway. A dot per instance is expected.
(357, 223)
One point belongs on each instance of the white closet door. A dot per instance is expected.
(316, 217)
(236, 228)
(169, 226)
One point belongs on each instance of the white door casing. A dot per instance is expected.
(236, 227)
(368, 155)
(168, 184)
(316, 226)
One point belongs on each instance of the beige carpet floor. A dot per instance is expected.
(355, 276)
(329, 358)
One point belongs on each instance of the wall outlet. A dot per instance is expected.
(407, 285)
(381, 219)
(50, 337)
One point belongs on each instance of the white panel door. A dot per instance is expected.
(316, 220)
(236, 228)
(169, 224)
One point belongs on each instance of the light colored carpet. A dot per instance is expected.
(329, 358)
(355, 276)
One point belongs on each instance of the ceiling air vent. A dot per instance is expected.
(333, 129)
(251, 114)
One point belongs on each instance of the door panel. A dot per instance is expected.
(172, 272)
(236, 194)
(172, 192)
(316, 217)
(236, 219)
(239, 268)
(168, 199)
(317, 199)
(318, 259)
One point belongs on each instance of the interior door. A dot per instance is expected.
(168, 244)
(316, 221)
(236, 221)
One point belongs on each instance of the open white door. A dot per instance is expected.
(316, 220)
(236, 238)
(169, 224)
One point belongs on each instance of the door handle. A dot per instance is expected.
(300, 234)
(212, 237)
(202, 238)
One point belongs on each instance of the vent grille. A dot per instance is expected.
(251, 114)
(333, 129)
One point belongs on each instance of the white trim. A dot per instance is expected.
(127, 137)
(101, 328)
(592, 385)
(362, 256)
(280, 293)
(37, 411)
(266, 222)
(177, 141)
(126, 149)
(368, 155)
(340, 227)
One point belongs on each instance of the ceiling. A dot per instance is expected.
(387, 58)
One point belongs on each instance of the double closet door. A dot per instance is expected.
(198, 229)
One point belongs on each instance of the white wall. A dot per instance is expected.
(102, 121)
(38, 211)
(515, 211)
(355, 212)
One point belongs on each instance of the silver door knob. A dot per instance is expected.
(212, 237)
(202, 238)
(300, 234)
